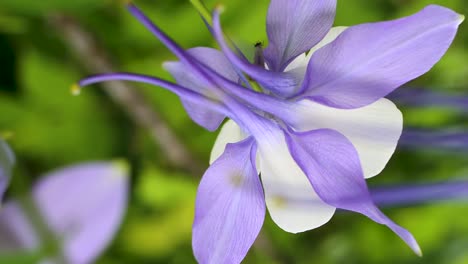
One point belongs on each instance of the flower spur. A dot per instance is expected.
(316, 129)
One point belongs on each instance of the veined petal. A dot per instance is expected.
(7, 161)
(374, 130)
(230, 207)
(230, 133)
(303, 60)
(298, 67)
(84, 206)
(294, 27)
(332, 165)
(186, 77)
(368, 61)
(292, 202)
(280, 83)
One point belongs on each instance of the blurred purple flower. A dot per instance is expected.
(317, 127)
(404, 195)
(443, 140)
(7, 161)
(426, 97)
(82, 206)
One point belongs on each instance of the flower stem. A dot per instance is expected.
(201, 8)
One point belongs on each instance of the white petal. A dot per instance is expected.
(329, 38)
(302, 60)
(230, 133)
(290, 198)
(374, 130)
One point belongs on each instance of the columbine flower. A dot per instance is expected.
(314, 127)
(7, 161)
(82, 206)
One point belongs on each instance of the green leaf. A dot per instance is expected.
(41, 6)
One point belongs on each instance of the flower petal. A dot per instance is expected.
(291, 200)
(230, 207)
(230, 133)
(368, 61)
(279, 83)
(84, 206)
(374, 130)
(332, 165)
(16, 232)
(294, 27)
(186, 77)
(298, 67)
(7, 161)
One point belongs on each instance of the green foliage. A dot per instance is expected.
(51, 128)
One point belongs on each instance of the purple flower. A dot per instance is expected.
(422, 97)
(315, 128)
(7, 161)
(82, 206)
(448, 139)
(401, 195)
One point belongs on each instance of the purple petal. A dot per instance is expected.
(332, 165)
(205, 73)
(280, 83)
(186, 77)
(368, 61)
(183, 56)
(402, 195)
(16, 232)
(7, 161)
(84, 205)
(230, 207)
(294, 27)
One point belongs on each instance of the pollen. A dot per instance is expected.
(236, 180)
(279, 201)
(75, 89)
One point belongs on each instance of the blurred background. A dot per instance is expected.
(47, 45)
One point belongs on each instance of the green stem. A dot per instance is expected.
(201, 8)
